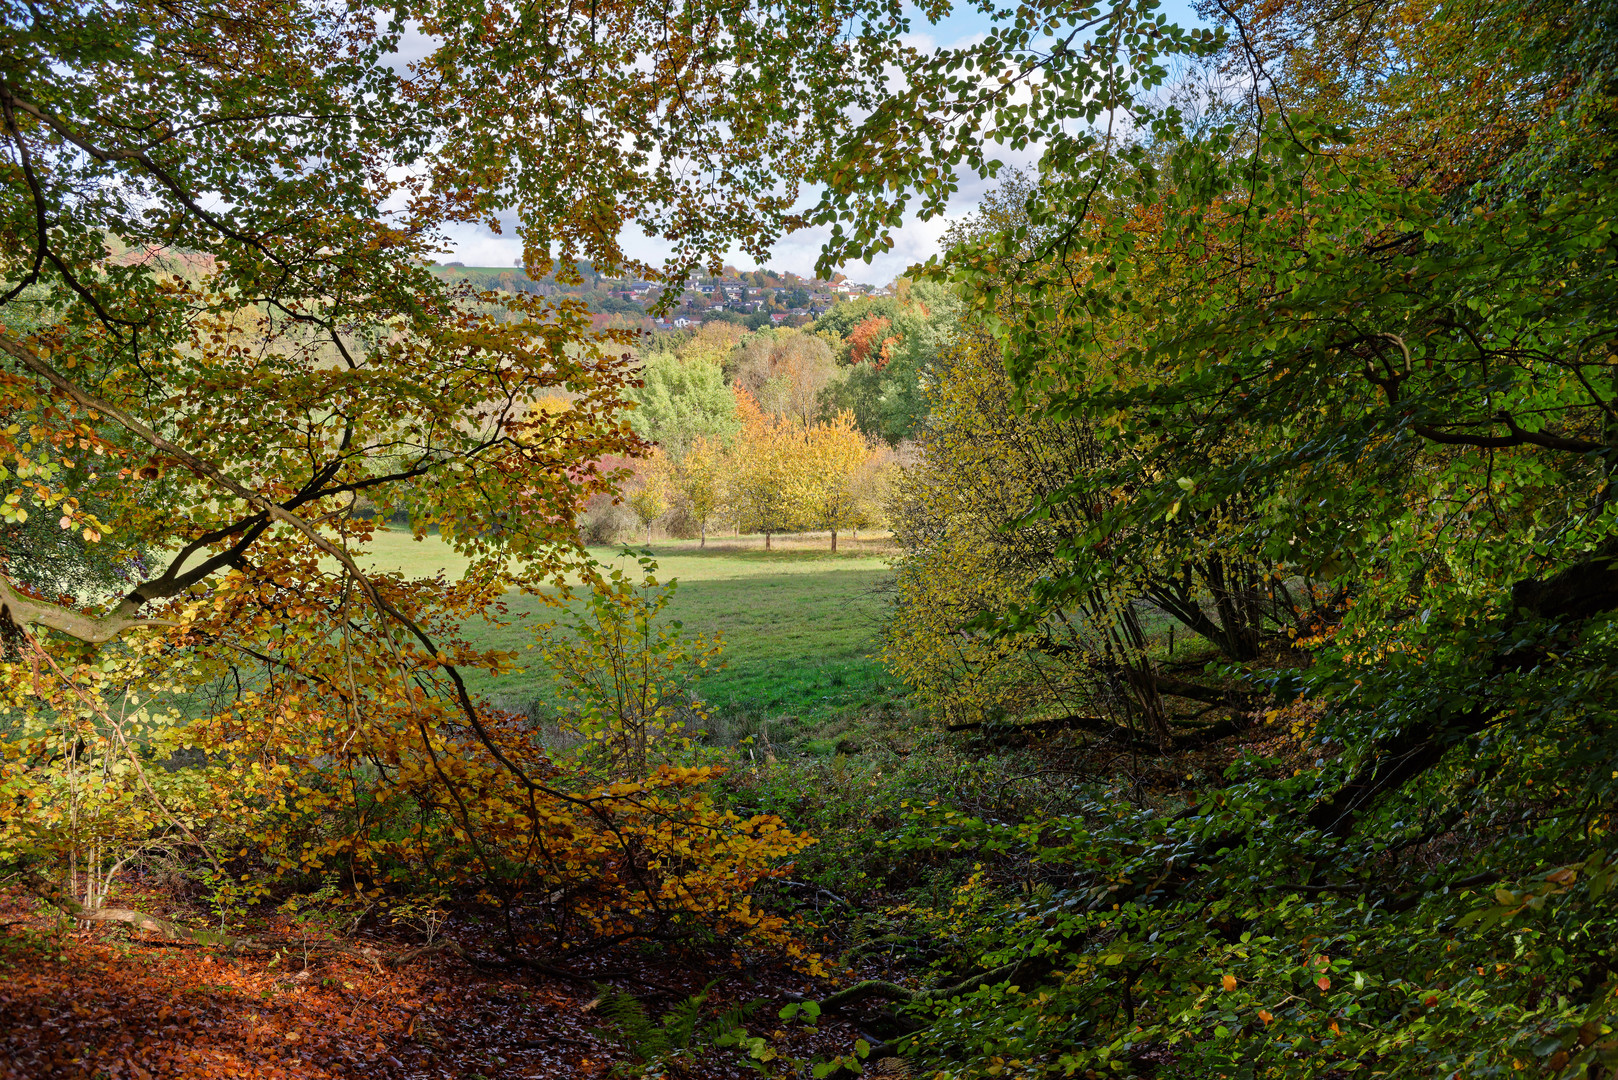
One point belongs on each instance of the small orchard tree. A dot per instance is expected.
(874, 483)
(764, 481)
(700, 483)
(836, 457)
(648, 497)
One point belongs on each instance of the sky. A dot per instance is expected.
(915, 241)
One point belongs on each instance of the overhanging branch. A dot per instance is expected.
(26, 611)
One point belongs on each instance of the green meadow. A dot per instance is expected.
(798, 625)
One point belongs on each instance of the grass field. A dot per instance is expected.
(798, 624)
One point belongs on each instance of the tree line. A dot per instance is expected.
(783, 430)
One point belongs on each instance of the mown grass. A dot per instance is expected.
(798, 626)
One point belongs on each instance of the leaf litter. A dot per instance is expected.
(101, 1002)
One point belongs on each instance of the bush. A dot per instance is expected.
(679, 523)
(606, 524)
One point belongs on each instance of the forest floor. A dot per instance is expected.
(105, 1003)
(101, 1003)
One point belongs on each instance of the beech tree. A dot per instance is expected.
(223, 356)
(1353, 310)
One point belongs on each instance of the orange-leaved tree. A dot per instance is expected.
(226, 362)
(764, 484)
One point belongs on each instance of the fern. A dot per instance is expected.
(680, 1022)
(674, 1035)
(631, 1024)
(729, 1021)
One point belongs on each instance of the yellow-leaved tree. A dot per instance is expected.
(648, 497)
(982, 464)
(699, 482)
(835, 478)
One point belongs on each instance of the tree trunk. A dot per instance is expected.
(702, 531)
(766, 541)
(834, 541)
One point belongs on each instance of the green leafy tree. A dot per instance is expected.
(681, 400)
(1357, 314)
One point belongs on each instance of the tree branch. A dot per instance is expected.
(1518, 437)
(52, 893)
(26, 611)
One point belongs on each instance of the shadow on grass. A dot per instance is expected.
(751, 549)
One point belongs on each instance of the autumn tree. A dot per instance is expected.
(836, 460)
(887, 347)
(869, 341)
(648, 497)
(699, 483)
(765, 478)
(841, 320)
(785, 371)
(712, 342)
(221, 334)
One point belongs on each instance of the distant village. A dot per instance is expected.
(753, 298)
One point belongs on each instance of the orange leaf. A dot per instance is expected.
(1264, 1016)
(1230, 982)
(1323, 982)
